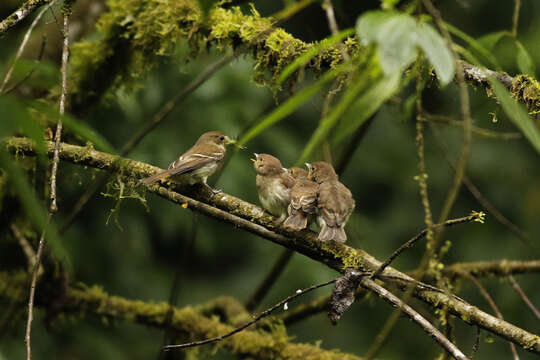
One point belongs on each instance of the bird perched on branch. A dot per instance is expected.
(303, 205)
(335, 202)
(199, 162)
(297, 173)
(273, 184)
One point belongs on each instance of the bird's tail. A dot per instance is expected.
(328, 233)
(156, 177)
(297, 221)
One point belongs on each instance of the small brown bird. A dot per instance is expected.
(273, 185)
(199, 162)
(297, 173)
(303, 205)
(335, 202)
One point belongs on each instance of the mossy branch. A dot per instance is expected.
(20, 14)
(131, 42)
(252, 218)
(93, 301)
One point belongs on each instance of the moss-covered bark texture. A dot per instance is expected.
(135, 33)
(253, 219)
(193, 323)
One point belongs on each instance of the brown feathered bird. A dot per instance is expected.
(297, 173)
(335, 202)
(303, 205)
(273, 184)
(199, 162)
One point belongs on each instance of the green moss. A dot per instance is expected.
(527, 90)
(346, 255)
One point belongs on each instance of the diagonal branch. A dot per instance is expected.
(253, 219)
(22, 12)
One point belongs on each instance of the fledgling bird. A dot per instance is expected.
(199, 162)
(297, 173)
(273, 185)
(335, 202)
(303, 205)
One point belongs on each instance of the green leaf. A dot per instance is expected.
(490, 41)
(78, 127)
(398, 37)
(331, 120)
(437, 52)
(516, 112)
(524, 61)
(44, 74)
(35, 211)
(368, 104)
(311, 52)
(476, 47)
(289, 106)
(16, 120)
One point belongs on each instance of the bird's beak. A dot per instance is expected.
(308, 165)
(256, 157)
(252, 159)
(285, 169)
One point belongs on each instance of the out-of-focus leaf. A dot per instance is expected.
(311, 52)
(291, 104)
(437, 52)
(32, 206)
(516, 112)
(368, 104)
(328, 123)
(16, 120)
(476, 47)
(524, 61)
(44, 74)
(398, 36)
(490, 41)
(78, 127)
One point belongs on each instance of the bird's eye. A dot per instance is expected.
(222, 138)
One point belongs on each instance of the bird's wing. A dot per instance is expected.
(188, 163)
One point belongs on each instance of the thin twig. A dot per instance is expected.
(492, 304)
(414, 316)
(22, 12)
(261, 291)
(54, 169)
(475, 130)
(23, 45)
(488, 206)
(31, 72)
(524, 297)
(27, 249)
(332, 24)
(476, 344)
(515, 17)
(475, 216)
(257, 318)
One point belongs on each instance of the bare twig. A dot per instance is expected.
(475, 130)
(27, 249)
(414, 316)
(524, 297)
(515, 17)
(27, 8)
(54, 169)
(332, 24)
(22, 46)
(257, 318)
(475, 216)
(253, 219)
(490, 208)
(492, 304)
(261, 291)
(476, 344)
(29, 74)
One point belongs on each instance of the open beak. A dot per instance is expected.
(256, 157)
(308, 165)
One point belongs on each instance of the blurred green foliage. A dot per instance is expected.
(139, 262)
